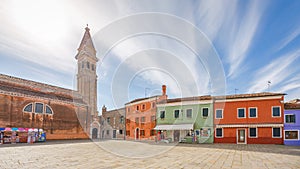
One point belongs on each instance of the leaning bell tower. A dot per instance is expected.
(86, 72)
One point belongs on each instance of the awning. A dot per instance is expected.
(175, 127)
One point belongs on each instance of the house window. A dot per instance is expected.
(291, 135)
(153, 118)
(39, 107)
(241, 113)
(276, 132)
(219, 114)
(108, 119)
(276, 111)
(143, 107)
(189, 113)
(162, 114)
(252, 112)
(107, 132)
(219, 132)
(93, 67)
(120, 131)
(143, 119)
(137, 107)
(82, 65)
(204, 112)
(128, 109)
(127, 132)
(253, 132)
(28, 108)
(176, 114)
(88, 65)
(122, 119)
(290, 118)
(142, 132)
(137, 120)
(152, 132)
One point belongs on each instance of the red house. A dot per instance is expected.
(249, 118)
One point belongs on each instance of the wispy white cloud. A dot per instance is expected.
(288, 39)
(277, 72)
(242, 36)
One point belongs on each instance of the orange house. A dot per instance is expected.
(141, 117)
(249, 118)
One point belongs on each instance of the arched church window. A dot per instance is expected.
(48, 110)
(28, 108)
(39, 107)
(88, 65)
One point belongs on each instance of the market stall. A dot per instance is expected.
(7, 136)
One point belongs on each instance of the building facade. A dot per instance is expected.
(249, 118)
(113, 124)
(29, 104)
(141, 117)
(292, 123)
(186, 120)
(62, 113)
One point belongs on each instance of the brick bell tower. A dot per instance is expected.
(86, 72)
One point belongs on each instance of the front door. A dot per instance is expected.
(95, 133)
(241, 136)
(114, 133)
(176, 135)
(137, 133)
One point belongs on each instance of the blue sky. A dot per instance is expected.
(194, 47)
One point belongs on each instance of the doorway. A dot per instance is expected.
(94, 133)
(241, 136)
(137, 134)
(114, 134)
(176, 135)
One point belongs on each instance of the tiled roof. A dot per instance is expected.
(240, 96)
(9, 84)
(145, 98)
(291, 105)
(194, 98)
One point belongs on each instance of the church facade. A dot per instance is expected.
(62, 113)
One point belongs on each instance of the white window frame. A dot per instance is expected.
(222, 113)
(50, 109)
(280, 132)
(216, 133)
(249, 112)
(191, 113)
(244, 113)
(285, 118)
(32, 108)
(256, 132)
(279, 112)
(207, 112)
(290, 139)
(44, 107)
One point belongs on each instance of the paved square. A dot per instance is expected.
(126, 154)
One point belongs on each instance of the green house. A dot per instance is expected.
(185, 120)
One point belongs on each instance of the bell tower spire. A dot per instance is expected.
(86, 72)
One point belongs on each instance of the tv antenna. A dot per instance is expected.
(269, 84)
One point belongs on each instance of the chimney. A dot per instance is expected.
(164, 90)
(103, 109)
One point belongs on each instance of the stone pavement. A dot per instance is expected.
(127, 154)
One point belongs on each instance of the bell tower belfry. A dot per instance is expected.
(86, 72)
